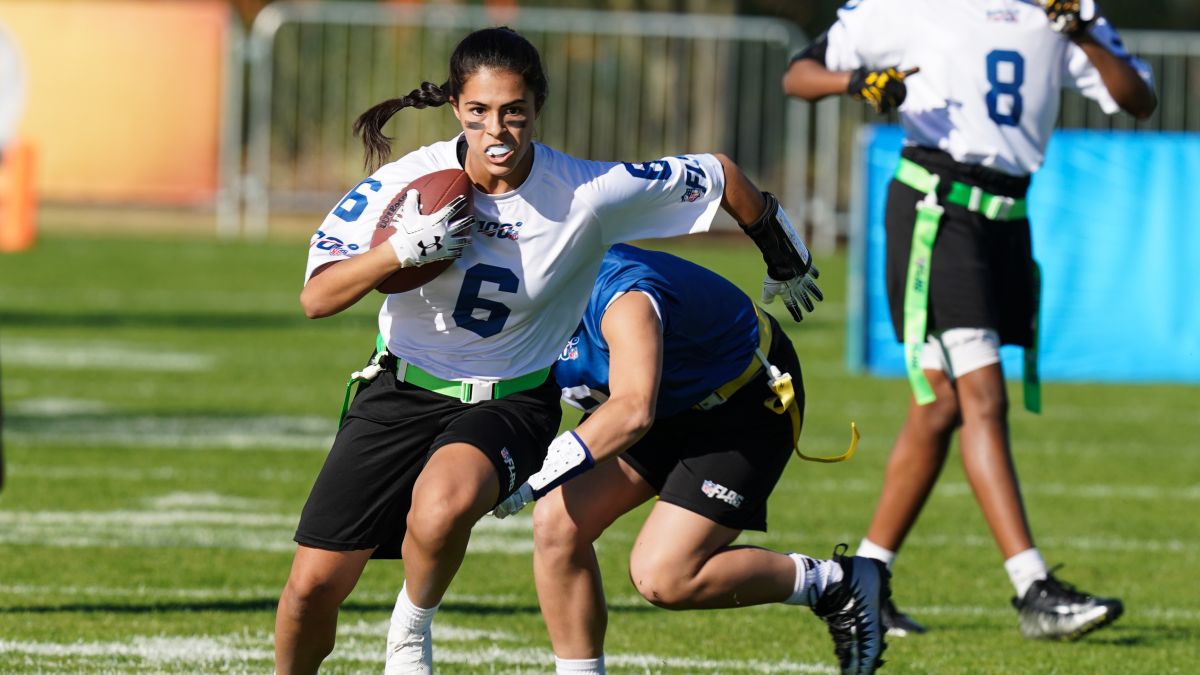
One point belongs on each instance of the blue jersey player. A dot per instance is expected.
(686, 380)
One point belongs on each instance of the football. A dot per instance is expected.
(437, 189)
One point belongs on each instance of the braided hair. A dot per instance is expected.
(496, 48)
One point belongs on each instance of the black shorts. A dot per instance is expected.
(723, 463)
(362, 496)
(982, 275)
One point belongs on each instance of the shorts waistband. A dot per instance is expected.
(726, 391)
(467, 390)
(970, 197)
(975, 175)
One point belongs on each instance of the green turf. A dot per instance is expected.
(167, 409)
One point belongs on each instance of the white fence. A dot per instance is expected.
(623, 85)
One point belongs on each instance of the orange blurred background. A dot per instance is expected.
(125, 96)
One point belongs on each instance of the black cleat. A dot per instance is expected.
(1053, 610)
(897, 623)
(851, 608)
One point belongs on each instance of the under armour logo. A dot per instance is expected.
(436, 245)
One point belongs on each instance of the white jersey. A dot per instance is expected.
(513, 300)
(991, 72)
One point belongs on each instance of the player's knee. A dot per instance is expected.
(438, 512)
(306, 597)
(555, 532)
(942, 414)
(989, 403)
(661, 584)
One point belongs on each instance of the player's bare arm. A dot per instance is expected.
(1124, 84)
(742, 199)
(791, 274)
(634, 335)
(336, 286)
(810, 80)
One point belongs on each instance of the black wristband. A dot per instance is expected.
(783, 262)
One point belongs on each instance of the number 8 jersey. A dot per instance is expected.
(509, 304)
(991, 72)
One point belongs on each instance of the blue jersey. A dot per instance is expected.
(710, 330)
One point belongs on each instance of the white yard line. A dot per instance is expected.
(235, 653)
(51, 355)
(273, 432)
(618, 600)
(208, 528)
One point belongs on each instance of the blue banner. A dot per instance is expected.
(1118, 239)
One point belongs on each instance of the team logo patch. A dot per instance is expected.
(571, 351)
(695, 180)
(511, 466)
(717, 491)
(508, 231)
(331, 245)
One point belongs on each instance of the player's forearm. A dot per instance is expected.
(1124, 84)
(742, 199)
(616, 425)
(810, 80)
(339, 285)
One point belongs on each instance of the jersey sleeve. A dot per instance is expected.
(867, 33)
(1082, 76)
(346, 230)
(664, 198)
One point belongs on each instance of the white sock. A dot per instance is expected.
(1025, 568)
(409, 617)
(812, 578)
(579, 666)
(869, 549)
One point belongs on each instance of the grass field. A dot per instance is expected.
(168, 406)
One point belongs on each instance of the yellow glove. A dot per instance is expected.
(883, 89)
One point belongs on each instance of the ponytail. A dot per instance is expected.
(369, 125)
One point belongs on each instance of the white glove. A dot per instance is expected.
(566, 458)
(421, 239)
(514, 502)
(795, 292)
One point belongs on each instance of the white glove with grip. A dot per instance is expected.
(796, 292)
(790, 271)
(514, 502)
(566, 458)
(421, 239)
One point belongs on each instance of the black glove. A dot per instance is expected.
(883, 89)
(1066, 17)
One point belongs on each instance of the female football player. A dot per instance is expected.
(701, 392)
(460, 409)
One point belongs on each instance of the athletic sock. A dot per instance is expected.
(579, 666)
(1025, 568)
(409, 617)
(812, 578)
(869, 549)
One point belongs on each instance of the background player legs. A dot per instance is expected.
(915, 463)
(306, 621)
(455, 489)
(987, 458)
(566, 523)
